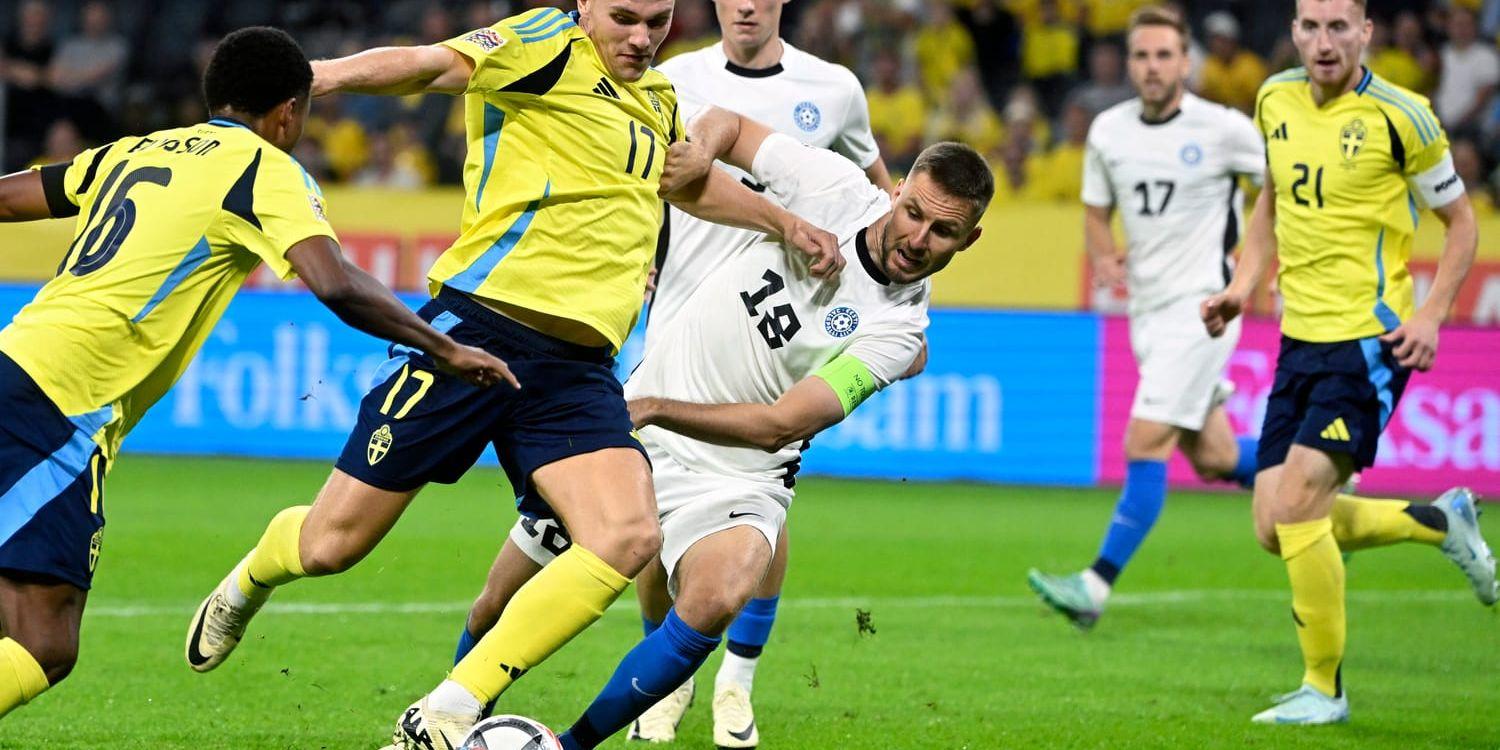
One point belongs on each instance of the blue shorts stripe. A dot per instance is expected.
(45, 481)
(1380, 377)
(443, 323)
(189, 263)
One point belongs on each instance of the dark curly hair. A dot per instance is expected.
(254, 69)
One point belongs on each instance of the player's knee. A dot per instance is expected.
(1265, 534)
(56, 654)
(332, 553)
(710, 610)
(629, 545)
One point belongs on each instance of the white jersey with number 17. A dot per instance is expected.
(1175, 184)
(759, 322)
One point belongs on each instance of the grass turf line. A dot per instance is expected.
(943, 670)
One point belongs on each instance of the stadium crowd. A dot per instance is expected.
(1020, 80)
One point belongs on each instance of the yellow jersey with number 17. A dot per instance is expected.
(561, 212)
(169, 226)
(1350, 178)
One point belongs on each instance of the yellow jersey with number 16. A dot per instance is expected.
(169, 226)
(561, 212)
(1350, 178)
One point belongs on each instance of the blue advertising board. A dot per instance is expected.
(1007, 397)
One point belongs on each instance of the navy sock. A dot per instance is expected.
(648, 625)
(656, 666)
(752, 628)
(466, 643)
(1140, 503)
(1247, 466)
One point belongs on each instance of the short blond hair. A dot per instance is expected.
(1155, 15)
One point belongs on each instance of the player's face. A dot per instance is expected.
(626, 32)
(1330, 35)
(1158, 64)
(926, 229)
(749, 23)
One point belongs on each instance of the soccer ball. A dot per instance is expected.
(510, 733)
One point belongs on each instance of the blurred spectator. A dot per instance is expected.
(62, 144)
(943, 47)
(30, 104)
(1108, 19)
(1231, 74)
(967, 115)
(1469, 164)
(1049, 53)
(395, 162)
(1058, 174)
(692, 29)
(1012, 166)
(1023, 115)
(896, 112)
(1395, 63)
(88, 73)
(995, 31)
(1470, 72)
(1106, 85)
(1029, 12)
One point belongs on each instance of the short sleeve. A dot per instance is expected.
(66, 183)
(1247, 148)
(509, 51)
(856, 141)
(1097, 190)
(888, 353)
(822, 187)
(286, 208)
(1423, 153)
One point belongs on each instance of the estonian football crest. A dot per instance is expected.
(1191, 154)
(380, 444)
(841, 322)
(1352, 139)
(807, 116)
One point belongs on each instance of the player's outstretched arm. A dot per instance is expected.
(802, 412)
(394, 70)
(721, 199)
(23, 197)
(365, 304)
(1416, 339)
(1099, 242)
(1255, 257)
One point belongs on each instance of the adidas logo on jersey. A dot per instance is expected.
(604, 89)
(1336, 430)
(1279, 134)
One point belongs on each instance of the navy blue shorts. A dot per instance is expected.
(419, 425)
(1335, 397)
(52, 477)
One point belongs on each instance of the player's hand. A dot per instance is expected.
(475, 366)
(642, 411)
(821, 247)
(687, 163)
(1109, 271)
(1415, 342)
(1217, 311)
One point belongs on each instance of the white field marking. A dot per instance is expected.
(1186, 597)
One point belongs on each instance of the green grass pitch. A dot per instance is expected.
(961, 657)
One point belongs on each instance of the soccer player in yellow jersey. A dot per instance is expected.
(169, 225)
(573, 141)
(1350, 159)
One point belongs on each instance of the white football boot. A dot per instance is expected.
(734, 719)
(1306, 705)
(218, 625)
(1465, 546)
(659, 723)
(422, 728)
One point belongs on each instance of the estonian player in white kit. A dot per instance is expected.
(758, 359)
(755, 73)
(1170, 162)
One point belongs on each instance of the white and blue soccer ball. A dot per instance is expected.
(510, 733)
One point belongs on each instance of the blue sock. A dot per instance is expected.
(648, 625)
(466, 643)
(1246, 468)
(750, 631)
(1140, 503)
(653, 669)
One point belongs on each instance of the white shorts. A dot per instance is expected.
(691, 505)
(1181, 366)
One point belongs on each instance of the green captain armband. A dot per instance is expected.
(850, 379)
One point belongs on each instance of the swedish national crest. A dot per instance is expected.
(380, 444)
(1352, 139)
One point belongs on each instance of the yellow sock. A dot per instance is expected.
(1316, 570)
(559, 603)
(275, 560)
(1361, 523)
(21, 678)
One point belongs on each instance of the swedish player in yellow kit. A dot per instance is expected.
(168, 227)
(1351, 161)
(572, 141)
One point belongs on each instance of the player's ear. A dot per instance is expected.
(973, 237)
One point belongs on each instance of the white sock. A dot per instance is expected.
(236, 597)
(1096, 586)
(736, 670)
(453, 698)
